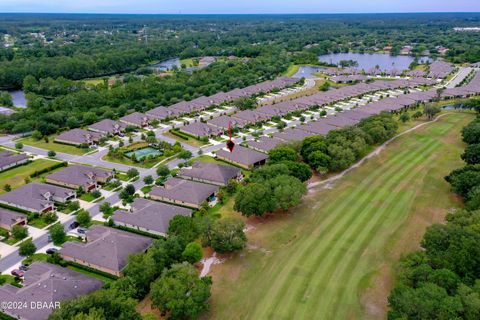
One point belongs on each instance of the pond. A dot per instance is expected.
(166, 65)
(19, 99)
(367, 62)
(144, 152)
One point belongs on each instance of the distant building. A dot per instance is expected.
(184, 192)
(406, 50)
(107, 249)
(149, 216)
(79, 137)
(37, 197)
(83, 177)
(45, 286)
(9, 159)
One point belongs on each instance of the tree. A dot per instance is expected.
(471, 132)
(7, 187)
(471, 155)
(270, 171)
(287, 191)
(245, 103)
(282, 153)
(132, 173)
(19, 146)
(106, 208)
(180, 292)
(183, 227)
(148, 180)
(227, 235)
(83, 218)
(430, 111)
(255, 199)
(404, 117)
(142, 270)
(52, 154)
(184, 154)
(27, 248)
(19, 232)
(163, 171)
(57, 233)
(193, 253)
(127, 192)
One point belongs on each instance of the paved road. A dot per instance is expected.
(462, 73)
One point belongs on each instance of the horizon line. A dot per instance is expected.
(243, 14)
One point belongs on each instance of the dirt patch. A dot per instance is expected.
(144, 307)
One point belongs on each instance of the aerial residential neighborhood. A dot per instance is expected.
(215, 162)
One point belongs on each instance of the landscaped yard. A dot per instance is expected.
(57, 147)
(191, 140)
(333, 256)
(16, 177)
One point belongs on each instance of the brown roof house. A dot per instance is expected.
(37, 197)
(212, 173)
(79, 137)
(108, 126)
(9, 218)
(136, 119)
(185, 193)
(77, 176)
(107, 249)
(45, 285)
(9, 159)
(243, 157)
(149, 216)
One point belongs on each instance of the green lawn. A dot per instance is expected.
(57, 147)
(191, 140)
(333, 256)
(16, 177)
(292, 69)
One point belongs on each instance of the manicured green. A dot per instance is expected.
(15, 177)
(317, 262)
(51, 145)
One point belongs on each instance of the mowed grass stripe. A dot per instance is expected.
(359, 196)
(351, 229)
(278, 278)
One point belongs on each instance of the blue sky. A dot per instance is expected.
(238, 6)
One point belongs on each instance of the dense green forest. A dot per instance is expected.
(443, 280)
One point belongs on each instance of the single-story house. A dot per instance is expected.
(161, 113)
(10, 159)
(184, 192)
(225, 122)
(108, 126)
(212, 173)
(37, 197)
(9, 218)
(107, 249)
(45, 286)
(78, 137)
(78, 176)
(136, 119)
(264, 144)
(149, 216)
(243, 157)
(201, 130)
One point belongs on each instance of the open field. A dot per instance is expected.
(57, 147)
(333, 256)
(15, 177)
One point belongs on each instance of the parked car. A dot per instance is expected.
(81, 230)
(24, 267)
(52, 250)
(74, 225)
(17, 273)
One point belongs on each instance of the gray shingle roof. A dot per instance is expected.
(79, 175)
(184, 190)
(211, 172)
(242, 155)
(150, 215)
(35, 196)
(79, 136)
(8, 158)
(108, 126)
(265, 144)
(8, 217)
(48, 283)
(201, 129)
(136, 118)
(107, 247)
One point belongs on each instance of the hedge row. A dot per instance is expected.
(56, 166)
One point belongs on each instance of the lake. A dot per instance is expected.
(166, 65)
(19, 99)
(367, 62)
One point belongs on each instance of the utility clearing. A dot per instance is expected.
(333, 257)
